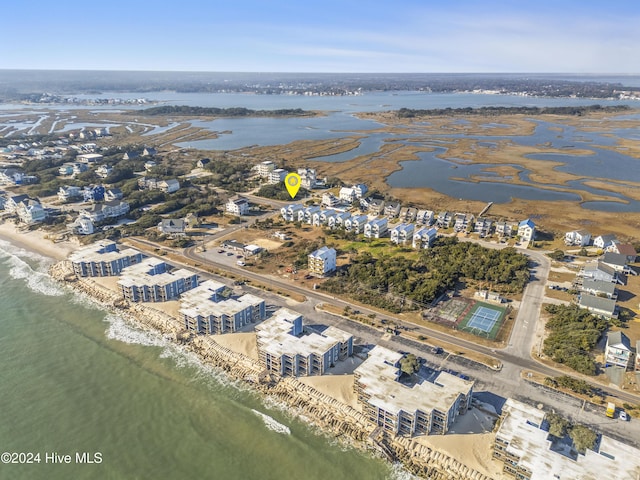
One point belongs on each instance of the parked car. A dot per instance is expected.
(623, 416)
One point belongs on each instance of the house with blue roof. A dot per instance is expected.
(526, 230)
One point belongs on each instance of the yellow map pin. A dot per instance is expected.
(292, 182)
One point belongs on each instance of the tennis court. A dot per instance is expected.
(483, 320)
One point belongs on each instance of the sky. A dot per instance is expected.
(572, 36)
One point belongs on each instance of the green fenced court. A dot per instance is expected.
(483, 320)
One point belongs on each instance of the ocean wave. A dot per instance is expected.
(398, 472)
(121, 330)
(272, 424)
(36, 277)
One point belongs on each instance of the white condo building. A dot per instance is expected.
(408, 410)
(528, 452)
(152, 281)
(204, 311)
(286, 350)
(103, 259)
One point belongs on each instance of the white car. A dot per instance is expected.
(241, 263)
(623, 416)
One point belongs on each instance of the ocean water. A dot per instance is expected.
(76, 379)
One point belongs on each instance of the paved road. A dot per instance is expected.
(504, 383)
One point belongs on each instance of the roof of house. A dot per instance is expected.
(603, 267)
(599, 286)
(617, 259)
(618, 340)
(606, 238)
(626, 249)
(598, 303)
(173, 223)
(527, 223)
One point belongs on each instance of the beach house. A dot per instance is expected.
(424, 237)
(618, 350)
(376, 228)
(526, 230)
(322, 261)
(578, 238)
(402, 233)
(356, 223)
(237, 205)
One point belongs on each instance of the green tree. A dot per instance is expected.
(583, 437)
(558, 426)
(409, 364)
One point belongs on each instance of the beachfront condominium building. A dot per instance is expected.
(285, 349)
(401, 409)
(203, 310)
(528, 452)
(322, 261)
(151, 280)
(103, 259)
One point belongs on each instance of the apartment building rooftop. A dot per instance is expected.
(520, 428)
(380, 375)
(144, 273)
(101, 251)
(277, 336)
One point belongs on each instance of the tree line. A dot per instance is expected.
(397, 282)
(188, 110)
(573, 110)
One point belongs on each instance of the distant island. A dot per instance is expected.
(573, 110)
(222, 112)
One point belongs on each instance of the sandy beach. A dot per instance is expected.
(37, 241)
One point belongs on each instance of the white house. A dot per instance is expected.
(401, 234)
(356, 224)
(290, 212)
(504, 229)
(69, 192)
(347, 194)
(444, 219)
(337, 220)
(483, 227)
(113, 194)
(307, 178)
(526, 230)
(169, 186)
(172, 226)
(425, 217)
(89, 157)
(103, 171)
(306, 215)
(265, 168)
(277, 175)
(604, 242)
(322, 261)
(325, 216)
(424, 237)
(462, 221)
(101, 211)
(579, 238)
(392, 209)
(618, 350)
(376, 228)
(81, 226)
(604, 307)
(237, 205)
(30, 211)
(360, 189)
(329, 200)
